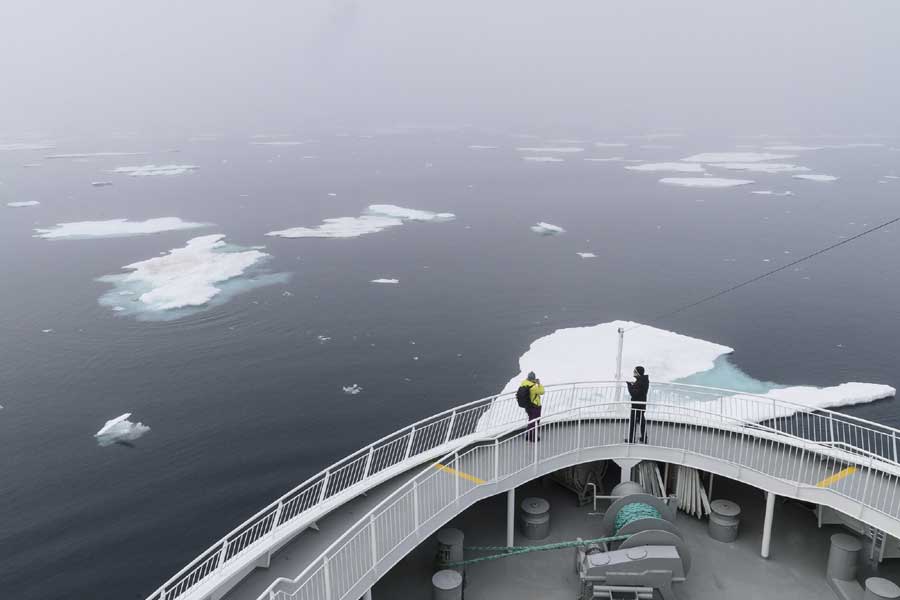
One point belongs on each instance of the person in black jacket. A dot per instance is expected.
(638, 390)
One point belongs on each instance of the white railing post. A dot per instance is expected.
(496, 460)
(416, 504)
(327, 573)
(894, 439)
(368, 462)
(277, 516)
(831, 427)
(412, 434)
(324, 487)
(450, 427)
(456, 466)
(374, 541)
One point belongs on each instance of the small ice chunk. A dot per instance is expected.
(78, 155)
(332, 194)
(761, 167)
(152, 170)
(279, 143)
(738, 157)
(553, 159)
(22, 204)
(385, 280)
(586, 254)
(32, 165)
(120, 430)
(286, 294)
(323, 338)
(27, 146)
(352, 390)
(101, 183)
(792, 148)
(481, 147)
(553, 149)
(816, 177)
(547, 229)
(606, 159)
(683, 167)
(46, 331)
(705, 182)
(772, 193)
(114, 228)
(892, 176)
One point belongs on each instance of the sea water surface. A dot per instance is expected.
(245, 399)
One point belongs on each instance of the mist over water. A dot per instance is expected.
(260, 119)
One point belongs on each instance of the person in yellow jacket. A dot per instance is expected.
(532, 404)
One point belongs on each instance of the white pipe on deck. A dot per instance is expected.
(511, 518)
(767, 524)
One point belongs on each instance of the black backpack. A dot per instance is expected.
(523, 396)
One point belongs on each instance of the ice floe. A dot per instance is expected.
(586, 254)
(737, 157)
(682, 167)
(379, 217)
(542, 158)
(589, 354)
(27, 146)
(761, 167)
(816, 177)
(188, 277)
(101, 183)
(547, 229)
(279, 143)
(705, 182)
(792, 148)
(606, 159)
(22, 204)
(114, 228)
(151, 170)
(481, 147)
(553, 149)
(385, 280)
(772, 193)
(93, 155)
(352, 390)
(120, 430)
(610, 144)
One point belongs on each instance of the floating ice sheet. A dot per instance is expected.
(738, 157)
(761, 167)
(27, 146)
(279, 143)
(547, 229)
(705, 182)
(352, 390)
(379, 217)
(385, 280)
(816, 177)
(120, 430)
(151, 170)
(186, 278)
(553, 149)
(772, 193)
(610, 144)
(586, 254)
(114, 228)
(22, 204)
(792, 148)
(93, 155)
(606, 159)
(682, 167)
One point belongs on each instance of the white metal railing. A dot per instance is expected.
(427, 500)
(676, 404)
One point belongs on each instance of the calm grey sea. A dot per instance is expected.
(243, 399)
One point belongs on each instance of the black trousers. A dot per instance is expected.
(637, 414)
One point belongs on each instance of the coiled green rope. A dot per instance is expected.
(515, 550)
(634, 511)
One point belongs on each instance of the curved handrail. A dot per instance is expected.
(672, 414)
(419, 441)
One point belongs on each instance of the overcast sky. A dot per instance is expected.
(723, 66)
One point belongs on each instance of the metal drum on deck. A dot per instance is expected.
(881, 589)
(724, 519)
(534, 518)
(843, 556)
(446, 585)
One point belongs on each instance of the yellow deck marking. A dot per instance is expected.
(836, 477)
(453, 471)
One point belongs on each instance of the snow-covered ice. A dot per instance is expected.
(682, 167)
(379, 217)
(816, 177)
(547, 229)
(586, 254)
(772, 193)
(385, 280)
(553, 149)
(22, 204)
(188, 277)
(352, 389)
(542, 158)
(705, 182)
(151, 170)
(761, 167)
(120, 430)
(114, 228)
(737, 157)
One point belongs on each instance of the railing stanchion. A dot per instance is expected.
(324, 486)
(496, 460)
(416, 504)
(374, 541)
(894, 439)
(327, 573)
(450, 428)
(368, 462)
(457, 466)
(412, 434)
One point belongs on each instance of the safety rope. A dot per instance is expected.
(508, 551)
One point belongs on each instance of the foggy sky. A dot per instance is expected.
(202, 66)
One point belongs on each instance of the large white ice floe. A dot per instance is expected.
(737, 157)
(22, 204)
(379, 217)
(553, 149)
(114, 228)
(705, 182)
(151, 170)
(186, 278)
(584, 354)
(678, 167)
(816, 177)
(547, 229)
(761, 167)
(120, 430)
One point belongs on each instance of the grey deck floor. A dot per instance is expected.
(752, 453)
